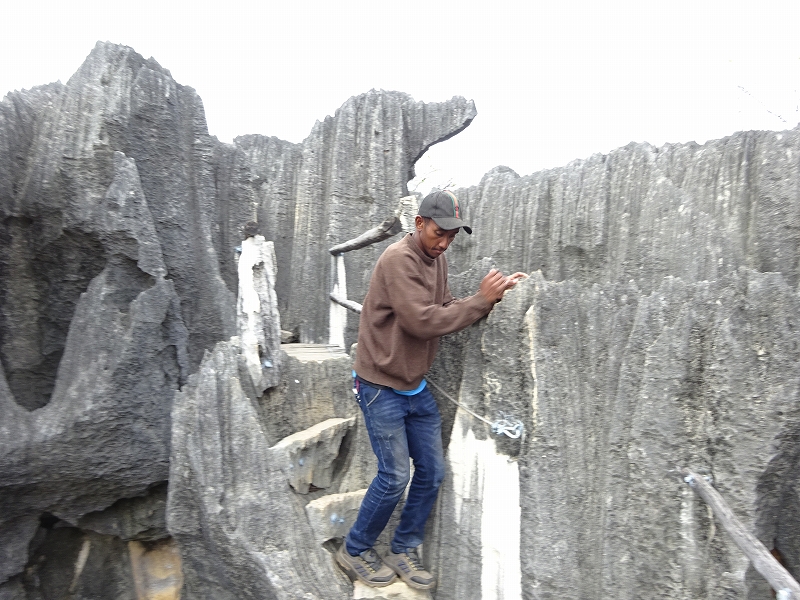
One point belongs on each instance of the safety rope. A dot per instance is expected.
(512, 428)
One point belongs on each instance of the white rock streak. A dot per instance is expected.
(338, 314)
(482, 475)
(258, 318)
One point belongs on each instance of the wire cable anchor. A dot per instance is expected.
(513, 428)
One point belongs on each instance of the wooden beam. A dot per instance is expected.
(385, 230)
(778, 577)
(348, 304)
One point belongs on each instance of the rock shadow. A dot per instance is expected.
(41, 282)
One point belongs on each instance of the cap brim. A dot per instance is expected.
(449, 223)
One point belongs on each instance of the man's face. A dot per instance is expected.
(431, 238)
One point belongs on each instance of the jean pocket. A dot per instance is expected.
(369, 402)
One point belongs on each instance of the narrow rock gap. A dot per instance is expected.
(344, 457)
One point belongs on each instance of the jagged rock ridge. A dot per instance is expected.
(660, 332)
(120, 219)
(644, 213)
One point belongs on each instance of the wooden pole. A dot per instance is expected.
(778, 577)
(348, 304)
(385, 230)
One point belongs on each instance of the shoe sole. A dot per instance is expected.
(354, 576)
(410, 583)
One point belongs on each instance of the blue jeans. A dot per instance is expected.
(399, 427)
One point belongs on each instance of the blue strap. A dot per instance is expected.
(419, 388)
(413, 392)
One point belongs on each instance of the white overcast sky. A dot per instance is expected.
(552, 81)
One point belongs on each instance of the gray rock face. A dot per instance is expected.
(644, 213)
(237, 505)
(332, 515)
(680, 401)
(141, 518)
(263, 170)
(360, 161)
(679, 257)
(617, 389)
(123, 358)
(242, 530)
(119, 222)
(345, 178)
(308, 456)
(118, 102)
(657, 331)
(257, 315)
(69, 562)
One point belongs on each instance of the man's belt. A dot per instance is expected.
(377, 386)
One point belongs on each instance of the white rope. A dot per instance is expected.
(512, 428)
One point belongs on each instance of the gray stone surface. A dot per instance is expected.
(236, 504)
(142, 518)
(644, 213)
(668, 227)
(316, 385)
(333, 515)
(617, 388)
(271, 164)
(257, 316)
(658, 330)
(241, 529)
(105, 433)
(17, 535)
(70, 563)
(395, 591)
(67, 562)
(120, 218)
(308, 456)
(345, 178)
(93, 342)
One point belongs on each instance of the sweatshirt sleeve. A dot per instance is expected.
(420, 318)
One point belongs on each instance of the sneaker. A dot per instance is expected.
(367, 567)
(409, 567)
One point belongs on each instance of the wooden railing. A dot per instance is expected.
(770, 569)
(402, 219)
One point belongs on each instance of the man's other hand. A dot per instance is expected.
(493, 286)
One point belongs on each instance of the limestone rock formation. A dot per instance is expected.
(142, 518)
(308, 456)
(645, 213)
(241, 529)
(120, 219)
(105, 433)
(258, 319)
(617, 388)
(332, 515)
(684, 257)
(145, 406)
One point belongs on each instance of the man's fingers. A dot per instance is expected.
(514, 279)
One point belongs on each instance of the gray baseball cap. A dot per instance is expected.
(443, 208)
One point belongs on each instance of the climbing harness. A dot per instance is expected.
(512, 428)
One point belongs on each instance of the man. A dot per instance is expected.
(407, 308)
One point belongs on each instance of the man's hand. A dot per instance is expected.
(494, 285)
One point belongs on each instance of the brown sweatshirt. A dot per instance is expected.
(408, 306)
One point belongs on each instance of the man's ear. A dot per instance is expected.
(419, 222)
